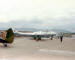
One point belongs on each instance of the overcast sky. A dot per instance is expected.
(50, 12)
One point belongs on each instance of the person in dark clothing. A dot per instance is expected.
(4, 42)
(61, 38)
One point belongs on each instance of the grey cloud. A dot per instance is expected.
(61, 23)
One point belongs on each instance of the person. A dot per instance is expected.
(61, 37)
(4, 35)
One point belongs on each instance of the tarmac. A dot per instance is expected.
(24, 48)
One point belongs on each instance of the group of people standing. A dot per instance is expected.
(60, 36)
(7, 37)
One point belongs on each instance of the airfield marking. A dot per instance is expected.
(62, 52)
